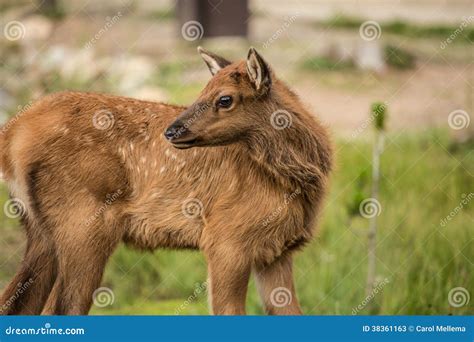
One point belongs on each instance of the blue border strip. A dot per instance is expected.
(248, 329)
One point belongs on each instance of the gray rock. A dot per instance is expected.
(369, 56)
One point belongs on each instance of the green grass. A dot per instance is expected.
(165, 307)
(402, 28)
(161, 14)
(321, 63)
(422, 182)
(175, 78)
(394, 56)
(398, 57)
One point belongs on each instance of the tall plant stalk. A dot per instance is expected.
(378, 115)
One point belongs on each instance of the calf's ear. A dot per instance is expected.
(214, 62)
(258, 71)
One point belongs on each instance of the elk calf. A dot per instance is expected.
(88, 171)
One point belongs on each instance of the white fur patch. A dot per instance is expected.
(211, 63)
(254, 70)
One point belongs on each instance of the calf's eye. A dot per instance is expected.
(225, 101)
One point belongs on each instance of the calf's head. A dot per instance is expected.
(229, 108)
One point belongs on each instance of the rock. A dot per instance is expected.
(37, 28)
(52, 58)
(369, 56)
(78, 64)
(132, 72)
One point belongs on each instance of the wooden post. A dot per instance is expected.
(50, 8)
(217, 17)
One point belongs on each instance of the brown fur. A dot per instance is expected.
(260, 188)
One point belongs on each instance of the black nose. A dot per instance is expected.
(171, 132)
(175, 131)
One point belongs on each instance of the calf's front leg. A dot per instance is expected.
(228, 277)
(276, 287)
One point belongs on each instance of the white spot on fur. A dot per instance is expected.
(87, 140)
(162, 169)
(179, 167)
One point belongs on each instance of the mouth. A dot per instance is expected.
(184, 144)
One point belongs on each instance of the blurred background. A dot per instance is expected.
(349, 61)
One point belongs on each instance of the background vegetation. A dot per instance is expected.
(427, 167)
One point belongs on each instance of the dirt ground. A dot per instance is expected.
(417, 99)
